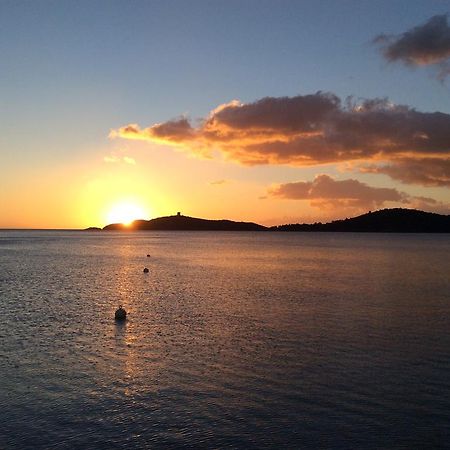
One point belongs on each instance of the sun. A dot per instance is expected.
(125, 213)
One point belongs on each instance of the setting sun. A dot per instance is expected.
(125, 213)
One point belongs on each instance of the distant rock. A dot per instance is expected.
(93, 229)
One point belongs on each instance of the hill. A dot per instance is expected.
(185, 223)
(397, 220)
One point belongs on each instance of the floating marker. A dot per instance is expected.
(120, 314)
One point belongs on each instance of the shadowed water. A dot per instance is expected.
(233, 340)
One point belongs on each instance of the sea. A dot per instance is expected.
(237, 340)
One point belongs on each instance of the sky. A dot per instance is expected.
(266, 111)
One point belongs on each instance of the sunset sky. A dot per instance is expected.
(266, 111)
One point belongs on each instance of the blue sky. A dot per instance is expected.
(74, 70)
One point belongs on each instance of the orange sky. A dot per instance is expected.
(222, 110)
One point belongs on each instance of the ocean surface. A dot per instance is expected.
(233, 340)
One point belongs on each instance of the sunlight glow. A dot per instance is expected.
(125, 213)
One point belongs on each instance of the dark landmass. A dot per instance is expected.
(185, 223)
(93, 229)
(397, 220)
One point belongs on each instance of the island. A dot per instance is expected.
(395, 220)
(185, 223)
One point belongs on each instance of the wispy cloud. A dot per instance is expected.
(326, 193)
(118, 159)
(308, 130)
(218, 182)
(111, 159)
(424, 45)
(128, 160)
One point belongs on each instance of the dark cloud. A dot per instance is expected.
(326, 193)
(285, 114)
(307, 130)
(427, 44)
(425, 171)
(173, 131)
(177, 130)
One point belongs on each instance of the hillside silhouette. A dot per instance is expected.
(185, 223)
(397, 220)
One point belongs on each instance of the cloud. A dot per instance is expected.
(218, 182)
(128, 160)
(306, 130)
(117, 159)
(423, 45)
(326, 193)
(425, 171)
(429, 204)
(172, 131)
(111, 159)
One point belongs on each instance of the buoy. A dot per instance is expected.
(120, 314)
(148, 256)
(145, 270)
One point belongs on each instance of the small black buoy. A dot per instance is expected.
(120, 314)
(148, 256)
(146, 270)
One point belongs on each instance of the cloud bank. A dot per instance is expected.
(325, 192)
(315, 129)
(424, 45)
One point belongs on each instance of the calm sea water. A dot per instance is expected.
(234, 340)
